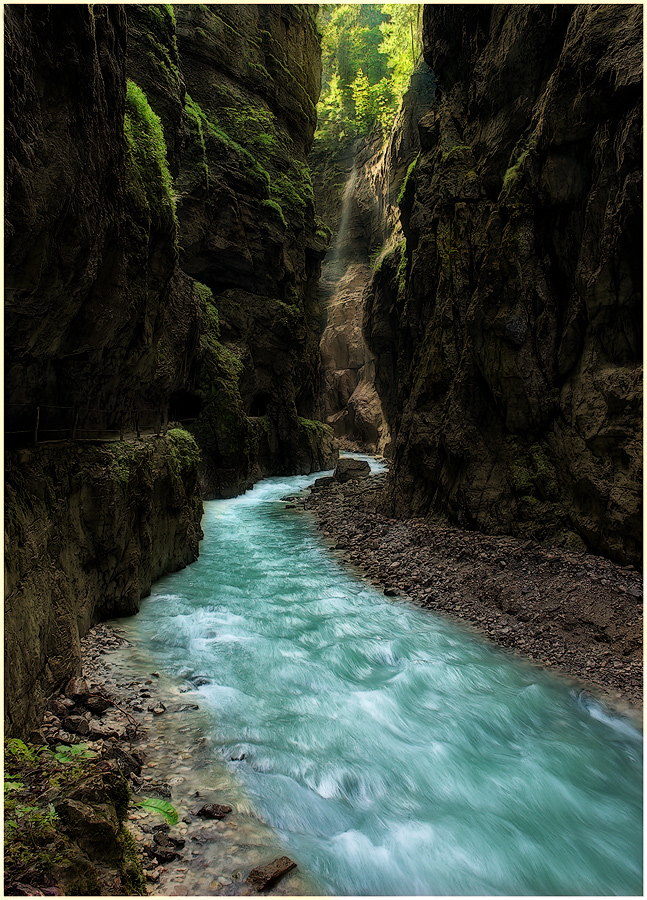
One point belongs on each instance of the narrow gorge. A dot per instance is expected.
(239, 240)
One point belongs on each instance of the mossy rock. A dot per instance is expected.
(64, 825)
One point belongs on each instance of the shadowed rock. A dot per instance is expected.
(351, 468)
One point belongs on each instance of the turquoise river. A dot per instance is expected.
(392, 751)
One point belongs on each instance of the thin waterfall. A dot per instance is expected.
(335, 263)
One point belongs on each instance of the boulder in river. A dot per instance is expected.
(213, 811)
(351, 468)
(263, 877)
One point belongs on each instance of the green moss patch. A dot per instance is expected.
(407, 180)
(147, 169)
(184, 450)
(215, 144)
(45, 850)
(531, 474)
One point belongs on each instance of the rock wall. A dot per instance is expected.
(248, 232)
(98, 318)
(507, 327)
(87, 531)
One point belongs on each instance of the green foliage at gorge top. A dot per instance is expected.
(368, 52)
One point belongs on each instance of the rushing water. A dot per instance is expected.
(393, 752)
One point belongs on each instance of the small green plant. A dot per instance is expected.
(69, 754)
(10, 786)
(17, 753)
(163, 807)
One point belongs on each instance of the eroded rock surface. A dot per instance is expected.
(507, 329)
(366, 222)
(87, 532)
(248, 232)
(146, 156)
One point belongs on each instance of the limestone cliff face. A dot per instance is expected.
(248, 232)
(507, 329)
(87, 325)
(128, 177)
(101, 330)
(87, 531)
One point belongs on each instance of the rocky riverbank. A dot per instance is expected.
(579, 614)
(150, 729)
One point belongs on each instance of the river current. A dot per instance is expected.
(392, 751)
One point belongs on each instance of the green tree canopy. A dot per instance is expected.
(368, 53)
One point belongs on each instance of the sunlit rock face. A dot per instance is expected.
(507, 331)
(366, 222)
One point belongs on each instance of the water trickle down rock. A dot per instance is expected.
(368, 225)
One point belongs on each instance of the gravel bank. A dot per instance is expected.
(576, 613)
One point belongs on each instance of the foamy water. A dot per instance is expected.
(392, 752)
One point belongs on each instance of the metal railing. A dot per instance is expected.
(34, 424)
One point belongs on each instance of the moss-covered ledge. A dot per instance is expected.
(65, 830)
(88, 528)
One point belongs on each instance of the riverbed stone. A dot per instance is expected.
(263, 877)
(349, 468)
(213, 811)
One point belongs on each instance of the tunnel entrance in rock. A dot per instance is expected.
(259, 405)
(184, 406)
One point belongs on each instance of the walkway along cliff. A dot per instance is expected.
(161, 255)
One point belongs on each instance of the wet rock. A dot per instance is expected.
(77, 689)
(161, 854)
(166, 842)
(186, 707)
(128, 763)
(156, 789)
(348, 469)
(213, 811)
(263, 877)
(97, 704)
(326, 481)
(77, 725)
(158, 709)
(205, 837)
